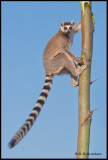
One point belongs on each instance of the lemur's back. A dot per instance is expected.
(54, 46)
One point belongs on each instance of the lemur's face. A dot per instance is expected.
(67, 27)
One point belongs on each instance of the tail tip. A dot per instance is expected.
(11, 144)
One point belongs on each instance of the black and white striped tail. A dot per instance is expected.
(32, 117)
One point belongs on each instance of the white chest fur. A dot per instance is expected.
(70, 40)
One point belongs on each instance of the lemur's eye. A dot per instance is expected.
(65, 28)
(70, 28)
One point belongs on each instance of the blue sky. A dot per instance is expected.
(26, 29)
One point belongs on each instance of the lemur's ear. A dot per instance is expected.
(72, 22)
(62, 23)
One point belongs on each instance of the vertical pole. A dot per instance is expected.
(84, 80)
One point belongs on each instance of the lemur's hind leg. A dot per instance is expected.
(56, 66)
(64, 61)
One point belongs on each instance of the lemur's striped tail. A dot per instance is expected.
(32, 117)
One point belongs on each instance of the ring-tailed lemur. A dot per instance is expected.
(58, 60)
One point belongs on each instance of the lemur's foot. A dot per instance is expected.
(75, 83)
